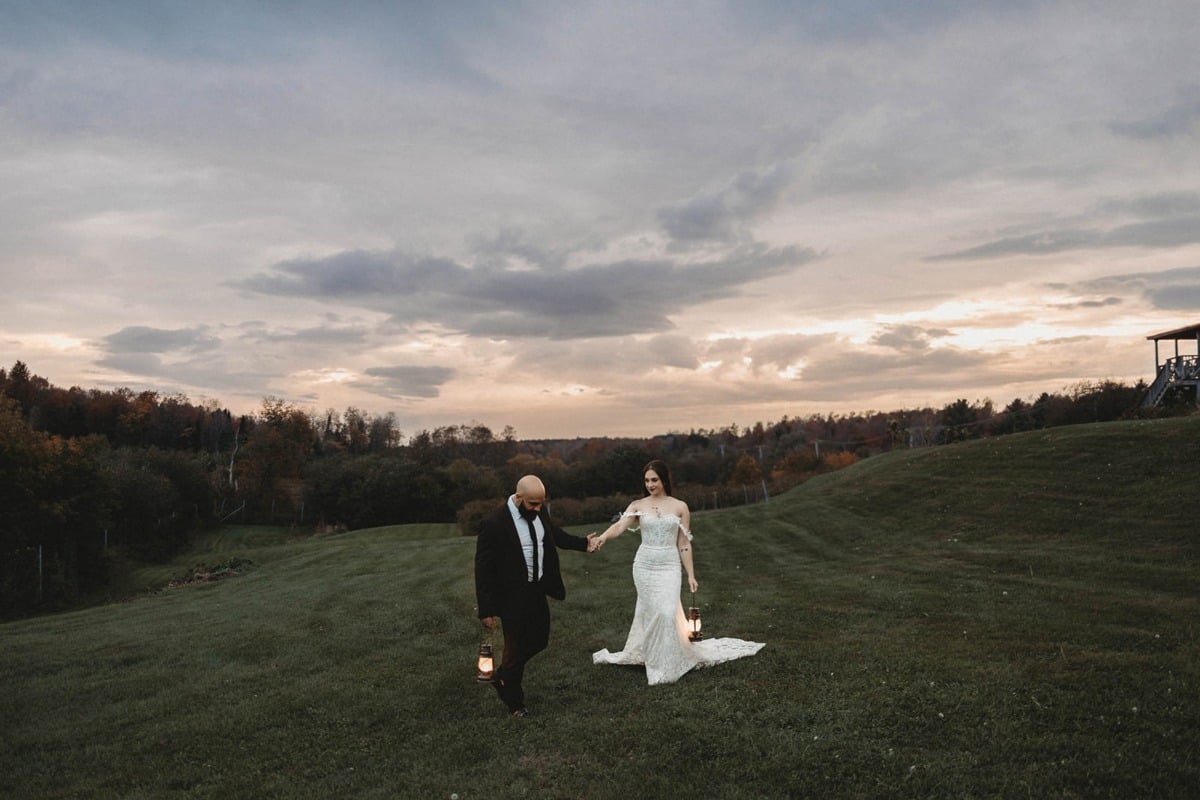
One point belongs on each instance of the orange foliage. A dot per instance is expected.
(834, 461)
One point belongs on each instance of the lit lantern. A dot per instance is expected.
(693, 619)
(485, 665)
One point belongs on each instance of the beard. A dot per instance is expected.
(529, 514)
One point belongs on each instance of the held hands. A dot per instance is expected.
(595, 542)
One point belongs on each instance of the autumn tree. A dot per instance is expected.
(269, 469)
(746, 471)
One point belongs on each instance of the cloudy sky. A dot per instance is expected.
(599, 218)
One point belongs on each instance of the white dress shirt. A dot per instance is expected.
(527, 544)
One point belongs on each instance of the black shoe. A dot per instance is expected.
(522, 713)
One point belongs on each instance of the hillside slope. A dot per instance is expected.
(1005, 617)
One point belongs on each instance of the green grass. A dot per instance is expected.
(1012, 617)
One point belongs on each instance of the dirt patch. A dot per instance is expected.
(203, 573)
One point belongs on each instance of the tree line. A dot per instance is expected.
(91, 476)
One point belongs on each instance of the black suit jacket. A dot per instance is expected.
(500, 569)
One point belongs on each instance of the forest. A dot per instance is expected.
(91, 476)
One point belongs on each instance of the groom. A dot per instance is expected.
(516, 567)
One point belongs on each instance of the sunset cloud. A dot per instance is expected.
(591, 301)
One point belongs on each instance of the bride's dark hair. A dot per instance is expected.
(664, 474)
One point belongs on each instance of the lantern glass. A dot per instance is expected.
(485, 665)
(695, 624)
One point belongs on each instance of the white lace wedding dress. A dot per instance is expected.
(658, 637)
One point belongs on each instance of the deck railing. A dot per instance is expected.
(1184, 368)
(1180, 369)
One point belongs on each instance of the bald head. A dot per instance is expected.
(530, 486)
(531, 493)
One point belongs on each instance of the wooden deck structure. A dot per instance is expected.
(1175, 371)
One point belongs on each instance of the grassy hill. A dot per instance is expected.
(1011, 617)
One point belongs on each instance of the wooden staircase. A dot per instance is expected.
(1177, 371)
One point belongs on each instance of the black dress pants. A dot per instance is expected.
(526, 622)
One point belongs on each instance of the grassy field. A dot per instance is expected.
(1011, 617)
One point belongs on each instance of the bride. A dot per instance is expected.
(658, 636)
